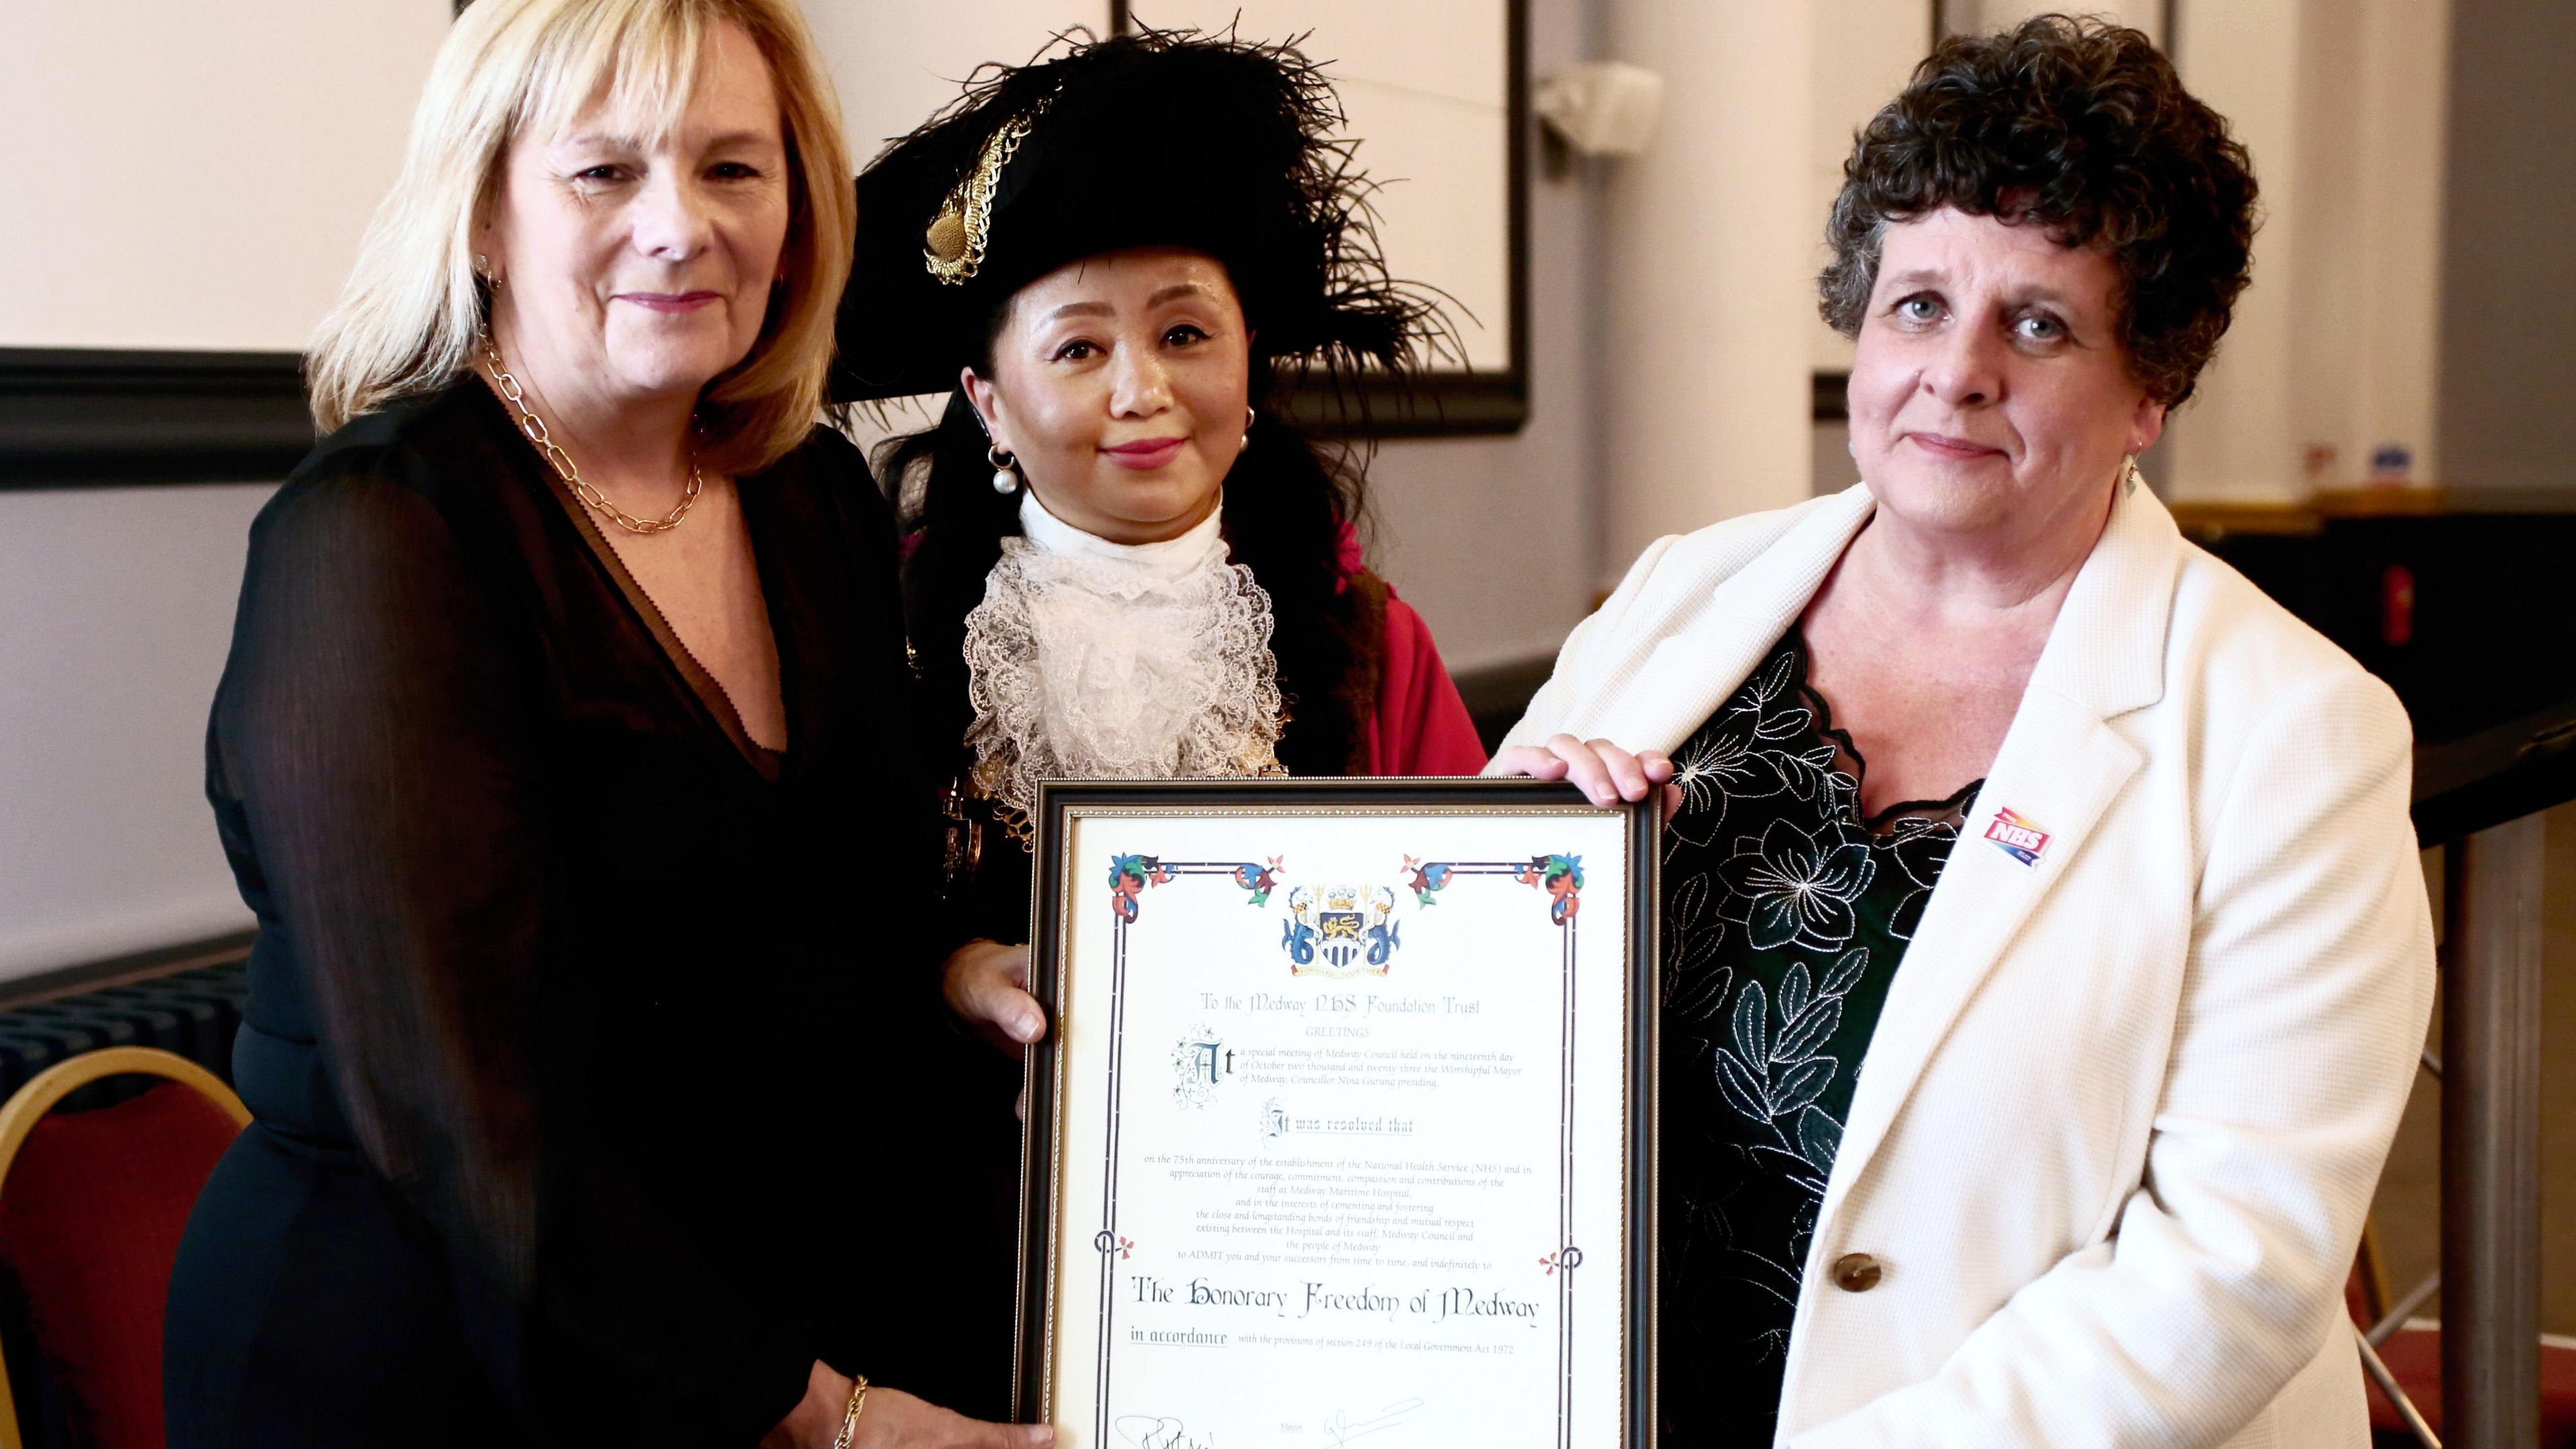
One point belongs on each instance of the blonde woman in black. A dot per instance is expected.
(561, 753)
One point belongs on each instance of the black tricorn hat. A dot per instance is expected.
(1162, 138)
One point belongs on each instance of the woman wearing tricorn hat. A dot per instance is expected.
(565, 688)
(1123, 563)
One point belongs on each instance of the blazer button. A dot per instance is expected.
(1856, 1272)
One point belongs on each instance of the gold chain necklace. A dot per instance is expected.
(561, 461)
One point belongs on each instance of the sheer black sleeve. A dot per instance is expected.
(627, 1119)
(370, 725)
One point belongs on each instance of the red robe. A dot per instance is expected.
(1421, 726)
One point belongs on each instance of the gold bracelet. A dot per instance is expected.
(850, 1417)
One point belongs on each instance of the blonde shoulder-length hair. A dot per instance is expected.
(406, 322)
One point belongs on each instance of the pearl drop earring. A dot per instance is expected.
(1006, 481)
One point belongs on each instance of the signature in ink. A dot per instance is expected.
(1340, 1428)
(1159, 1431)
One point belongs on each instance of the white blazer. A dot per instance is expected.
(2124, 1112)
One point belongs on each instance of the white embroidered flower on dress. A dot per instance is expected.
(1920, 848)
(1797, 887)
(1719, 765)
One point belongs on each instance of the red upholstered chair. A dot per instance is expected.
(91, 1207)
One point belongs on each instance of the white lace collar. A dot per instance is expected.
(1165, 562)
(1096, 660)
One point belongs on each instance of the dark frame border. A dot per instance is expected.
(1641, 1084)
(1457, 402)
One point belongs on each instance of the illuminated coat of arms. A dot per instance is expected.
(1340, 930)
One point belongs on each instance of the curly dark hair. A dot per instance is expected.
(2082, 127)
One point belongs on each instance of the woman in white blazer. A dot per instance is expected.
(2089, 1168)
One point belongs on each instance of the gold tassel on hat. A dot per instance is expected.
(954, 246)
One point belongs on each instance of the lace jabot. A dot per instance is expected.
(1097, 660)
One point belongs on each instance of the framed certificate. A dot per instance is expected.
(1345, 1127)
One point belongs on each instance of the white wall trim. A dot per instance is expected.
(130, 933)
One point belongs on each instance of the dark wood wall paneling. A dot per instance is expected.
(83, 418)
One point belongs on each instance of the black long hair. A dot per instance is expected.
(1290, 502)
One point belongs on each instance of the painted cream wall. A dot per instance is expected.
(895, 63)
(2341, 103)
(2239, 438)
(2370, 87)
(118, 606)
(192, 176)
(1495, 539)
(2398, 115)
(1706, 320)
(196, 175)
(1975, 15)
(1870, 50)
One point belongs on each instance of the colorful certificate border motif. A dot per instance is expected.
(1338, 929)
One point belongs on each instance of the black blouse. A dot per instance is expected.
(1785, 915)
(617, 1001)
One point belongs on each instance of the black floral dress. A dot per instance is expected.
(1785, 914)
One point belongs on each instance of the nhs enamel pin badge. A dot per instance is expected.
(2017, 837)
